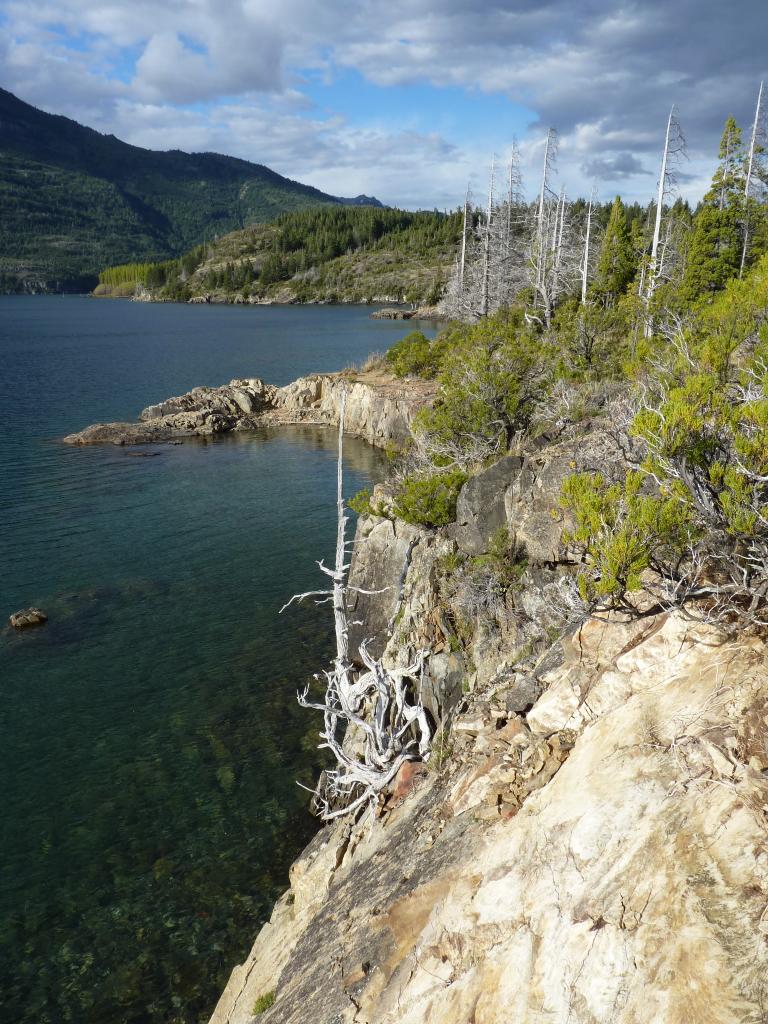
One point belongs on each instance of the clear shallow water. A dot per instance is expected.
(149, 735)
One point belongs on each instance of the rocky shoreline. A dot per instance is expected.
(380, 409)
(589, 842)
(389, 311)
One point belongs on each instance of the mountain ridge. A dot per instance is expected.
(76, 200)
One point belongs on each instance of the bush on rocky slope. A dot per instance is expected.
(689, 412)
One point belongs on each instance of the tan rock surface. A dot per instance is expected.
(612, 871)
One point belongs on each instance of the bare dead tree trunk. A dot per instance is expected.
(541, 208)
(390, 727)
(463, 259)
(558, 248)
(510, 200)
(487, 243)
(674, 143)
(660, 204)
(585, 267)
(748, 180)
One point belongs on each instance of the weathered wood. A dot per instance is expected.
(393, 727)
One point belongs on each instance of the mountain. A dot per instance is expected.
(74, 201)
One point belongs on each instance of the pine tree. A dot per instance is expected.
(616, 265)
(714, 256)
(728, 180)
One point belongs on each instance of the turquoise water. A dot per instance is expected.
(150, 741)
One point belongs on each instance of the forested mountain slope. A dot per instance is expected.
(74, 200)
(329, 254)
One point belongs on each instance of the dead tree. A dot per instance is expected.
(585, 261)
(463, 263)
(674, 147)
(756, 138)
(375, 707)
(487, 243)
(543, 215)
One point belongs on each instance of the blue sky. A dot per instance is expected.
(456, 112)
(407, 102)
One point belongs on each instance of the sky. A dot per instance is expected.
(407, 100)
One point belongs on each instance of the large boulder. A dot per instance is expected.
(532, 501)
(233, 400)
(481, 508)
(202, 411)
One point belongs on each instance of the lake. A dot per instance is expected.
(150, 740)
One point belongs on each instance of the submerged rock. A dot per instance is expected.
(28, 617)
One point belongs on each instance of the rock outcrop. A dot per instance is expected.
(589, 843)
(399, 313)
(379, 409)
(603, 858)
(27, 618)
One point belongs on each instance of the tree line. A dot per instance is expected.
(554, 250)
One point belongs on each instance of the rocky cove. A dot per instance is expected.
(589, 840)
(380, 409)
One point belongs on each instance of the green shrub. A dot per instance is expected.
(429, 501)
(701, 523)
(411, 356)
(492, 376)
(263, 1003)
(593, 341)
(505, 560)
(622, 532)
(442, 749)
(449, 564)
(360, 503)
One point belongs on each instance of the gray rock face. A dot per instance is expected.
(572, 864)
(28, 617)
(382, 555)
(532, 501)
(201, 412)
(481, 509)
(232, 401)
(379, 408)
(443, 684)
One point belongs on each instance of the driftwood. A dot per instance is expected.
(377, 703)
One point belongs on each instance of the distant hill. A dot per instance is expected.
(331, 254)
(73, 201)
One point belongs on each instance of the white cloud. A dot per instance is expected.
(604, 73)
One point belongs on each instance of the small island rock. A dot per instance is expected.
(28, 617)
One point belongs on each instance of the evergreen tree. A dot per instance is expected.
(616, 265)
(714, 255)
(728, 180)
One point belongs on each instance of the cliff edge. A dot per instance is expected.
(589, 842)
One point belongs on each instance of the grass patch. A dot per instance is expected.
(263, 1003)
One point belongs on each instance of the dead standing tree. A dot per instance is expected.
(491, 265)
(376, 703)
(662, 249)
(752, 179)
(555, 247)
